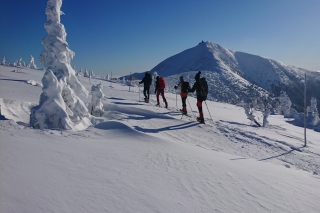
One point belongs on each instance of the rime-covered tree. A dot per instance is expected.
(52, 111)
(31, 63)
(3, 62)
(249, 109)
(264, 105)
(86, 73)
(312, 113)
(96, 105)
(285, 104)
(19, 62)
(56, 58)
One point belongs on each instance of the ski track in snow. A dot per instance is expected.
(243, 140)
(143, 158)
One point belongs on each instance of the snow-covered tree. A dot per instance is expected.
(92, 74)
(96, 106)
(86, 73)
(31, 63)
(52, 111)
(19, 62)
(56, 58)
(317, 128)
(249, 109)
(285, 104)
(264, 105)
(3, 62)
(312, 113)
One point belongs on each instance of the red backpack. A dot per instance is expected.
(162, 83)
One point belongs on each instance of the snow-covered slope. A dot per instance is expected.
(142, 158)
(238, 75)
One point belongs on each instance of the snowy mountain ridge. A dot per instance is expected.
(235, 75)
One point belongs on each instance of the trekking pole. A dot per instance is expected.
(208, 110)
(176, 101)
(139, 92)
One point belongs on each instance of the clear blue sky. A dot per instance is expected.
(135, 35)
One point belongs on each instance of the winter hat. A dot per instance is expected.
(197, 76)
(181, 78)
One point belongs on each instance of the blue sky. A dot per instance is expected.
(136, 35)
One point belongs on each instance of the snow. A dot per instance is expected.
(142, 158)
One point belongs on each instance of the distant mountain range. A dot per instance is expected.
(233, 76)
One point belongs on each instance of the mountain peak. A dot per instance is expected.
(236, 71)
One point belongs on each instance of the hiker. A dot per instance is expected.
(184, 86)
(146, 80)
(160, 85)
(201, 87)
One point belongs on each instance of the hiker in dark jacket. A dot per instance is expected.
(200, 96)
(159, 89)
(147, 81)
(184, 87)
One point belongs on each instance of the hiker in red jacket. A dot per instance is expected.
(160, 85)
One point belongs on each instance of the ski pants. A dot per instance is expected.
(199, 105)
(161, 91)
(146, 92)
(184, 99)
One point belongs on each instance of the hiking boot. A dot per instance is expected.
(183, 112)
(167, 105)
(200, 120)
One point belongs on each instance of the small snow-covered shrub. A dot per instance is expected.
(86, 73)
(96, 105)
(31, 63)
(312, 113)
(3, 62)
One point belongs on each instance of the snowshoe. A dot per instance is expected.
(183, 112)
(200, 120)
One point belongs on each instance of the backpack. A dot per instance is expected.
(203, 87)
(185, 86)
(162, 83)
(148, 79)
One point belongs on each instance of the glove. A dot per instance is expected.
(175, 87)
